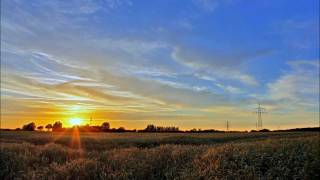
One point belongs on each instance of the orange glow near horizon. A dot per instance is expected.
(74, 114)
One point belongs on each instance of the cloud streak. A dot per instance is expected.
(58, 54)
(298, 86)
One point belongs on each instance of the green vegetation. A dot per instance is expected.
(46, 155)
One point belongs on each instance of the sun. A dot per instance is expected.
(75, 121)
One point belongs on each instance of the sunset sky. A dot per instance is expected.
(186, 63)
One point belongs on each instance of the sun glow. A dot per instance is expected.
(75, 121)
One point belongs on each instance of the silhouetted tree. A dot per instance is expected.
(264, 130)
(121, 129)
(48, 126)
(57, 126)
(193, 130)
(40, 128)
(105, 126)
(29, 127)
(151, 128)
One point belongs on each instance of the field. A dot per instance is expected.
(273, 155)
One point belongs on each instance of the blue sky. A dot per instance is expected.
(190, 63)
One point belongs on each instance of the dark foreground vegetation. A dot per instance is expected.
(64, 155)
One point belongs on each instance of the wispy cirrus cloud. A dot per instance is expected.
(299, 85)
(217, 64)
(108, 56)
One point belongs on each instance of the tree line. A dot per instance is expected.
(153, 128)
(104, 127)
(32, 127)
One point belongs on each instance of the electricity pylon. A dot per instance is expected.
(260, 111)
(227, 125)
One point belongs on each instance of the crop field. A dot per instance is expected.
(46, 155)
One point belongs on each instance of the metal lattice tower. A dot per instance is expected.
(227, 125)
(260, 111)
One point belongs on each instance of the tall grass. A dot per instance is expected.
(285, 157)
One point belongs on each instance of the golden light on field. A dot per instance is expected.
(75, 121)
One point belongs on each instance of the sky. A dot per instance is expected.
(186, 63)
